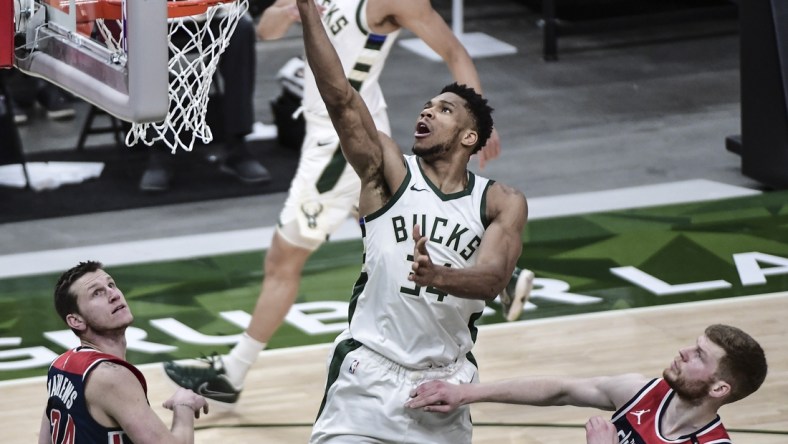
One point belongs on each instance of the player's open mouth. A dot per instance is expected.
(118, 308)
(422, 130)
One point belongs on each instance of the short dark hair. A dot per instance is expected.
(744, 364)
(65, 299)
(479, 109)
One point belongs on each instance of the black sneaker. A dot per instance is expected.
(207, 380)
(246, 169)
(515, 295)
(55, 103)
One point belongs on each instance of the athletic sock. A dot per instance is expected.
(241, 358)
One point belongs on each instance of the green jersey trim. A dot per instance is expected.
(483, 209)
(447, 197)
(400, 191)
(359, 20)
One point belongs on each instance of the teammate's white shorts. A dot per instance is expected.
(366, 394)
(323, 193)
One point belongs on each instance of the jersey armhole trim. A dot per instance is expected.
(401, 190)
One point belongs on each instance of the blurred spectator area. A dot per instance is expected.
(562, 18)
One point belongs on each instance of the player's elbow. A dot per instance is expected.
(489, 297)
(337, 97)
(494, 284)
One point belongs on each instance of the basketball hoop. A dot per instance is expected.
(112, 54)
(113, 9)
(199, 31)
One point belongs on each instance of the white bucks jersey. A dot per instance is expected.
(362, 54)
(418, 327)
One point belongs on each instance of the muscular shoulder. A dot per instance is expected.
(110, 387)
(506, 192)
(506, 201)
(109, 375)
(623, 387)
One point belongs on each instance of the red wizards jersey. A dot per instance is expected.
(638, 421)
(70, 421)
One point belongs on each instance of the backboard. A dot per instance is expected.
(149, 62)
(58, 40)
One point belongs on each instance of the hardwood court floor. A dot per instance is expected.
(285, 387)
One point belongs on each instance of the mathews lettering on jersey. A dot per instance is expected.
(71, 421)
(95, 395)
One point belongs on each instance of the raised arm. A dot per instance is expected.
(419, 17)
(498, 252)
(362, 145)
(349, 114)
(606, 393)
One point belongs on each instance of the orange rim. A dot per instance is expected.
(88, 10)
(185, 8)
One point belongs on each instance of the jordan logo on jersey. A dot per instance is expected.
(639, 413)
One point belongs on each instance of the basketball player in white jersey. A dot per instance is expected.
(438, 242)
(325, 190)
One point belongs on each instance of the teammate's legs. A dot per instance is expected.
(306, 221)
(515, 295)
(283, 265)
(282, 269)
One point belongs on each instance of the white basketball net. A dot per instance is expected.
(195, 44)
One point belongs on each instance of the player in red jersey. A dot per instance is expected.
(94, 394)
(723, 366)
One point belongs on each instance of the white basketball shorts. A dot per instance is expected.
(365, 397)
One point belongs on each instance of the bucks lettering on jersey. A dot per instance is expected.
(362, 53)
(419, 327)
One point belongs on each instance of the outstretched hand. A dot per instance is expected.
(600, 431)
(435, 396)
(185, 398)
(423, 269)
(293, 14)
(491, 150)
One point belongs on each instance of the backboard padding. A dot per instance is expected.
(6, 33)
(134, 90)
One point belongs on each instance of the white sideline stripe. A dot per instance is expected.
(258, 239)
(503, 325)
(634, 197)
